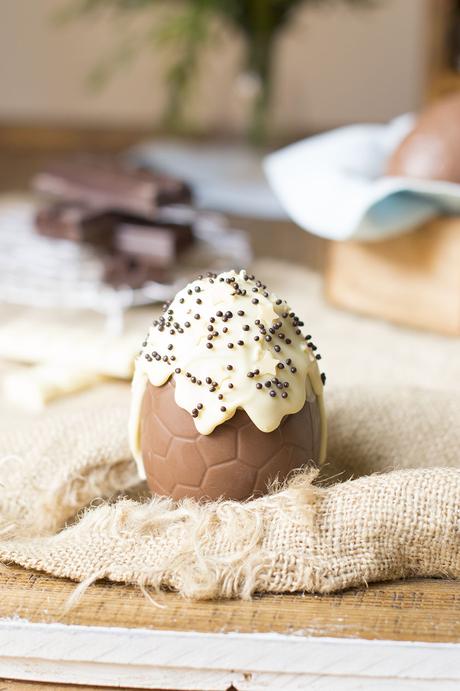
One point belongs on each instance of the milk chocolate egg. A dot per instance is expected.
(235, 461)
(431, 150)
(227, 395)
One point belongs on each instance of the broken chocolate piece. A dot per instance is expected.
(111, 188)
(76, 222)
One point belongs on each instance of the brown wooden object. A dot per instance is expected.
(413, 279)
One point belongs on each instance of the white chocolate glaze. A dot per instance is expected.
(229, 344)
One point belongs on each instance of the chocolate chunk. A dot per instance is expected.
(122, 271)
(75, 222)
(111, 187)
(153, 245)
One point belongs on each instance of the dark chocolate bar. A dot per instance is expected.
(72, 221)
(111, 188)
(152, 244)
(122, 271)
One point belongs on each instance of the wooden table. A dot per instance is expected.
(403, 635)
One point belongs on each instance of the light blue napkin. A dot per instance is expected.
(334, 185)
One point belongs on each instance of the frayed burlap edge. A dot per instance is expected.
(301, 538)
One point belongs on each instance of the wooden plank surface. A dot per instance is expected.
(14, 685)
(413, 610)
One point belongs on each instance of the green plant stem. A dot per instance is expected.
(261, 34)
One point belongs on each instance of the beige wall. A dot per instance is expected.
(335, 65)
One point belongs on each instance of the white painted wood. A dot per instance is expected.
(144, 658)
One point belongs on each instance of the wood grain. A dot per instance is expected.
(414, 610)
(13, 685)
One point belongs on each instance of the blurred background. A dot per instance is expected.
(200, 91)
(334, 63)
(98, 75)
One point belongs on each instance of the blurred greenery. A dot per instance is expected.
(184, 27)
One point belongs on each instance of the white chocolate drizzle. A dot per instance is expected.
(229, 344)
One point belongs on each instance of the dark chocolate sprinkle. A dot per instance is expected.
(272, 393)
(223, 408)
(240, 313)
(177, 370)
(284, 395)
(194, 412)
(258, 385)
(208, 345)
(246, 327)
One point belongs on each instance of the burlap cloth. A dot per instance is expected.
(393, 403)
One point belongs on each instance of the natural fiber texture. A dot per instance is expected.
(403, 520)
(306, 537)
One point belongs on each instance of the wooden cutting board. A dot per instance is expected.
(403, 635)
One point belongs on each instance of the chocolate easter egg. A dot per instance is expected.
(227, 395)
(235, 461)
